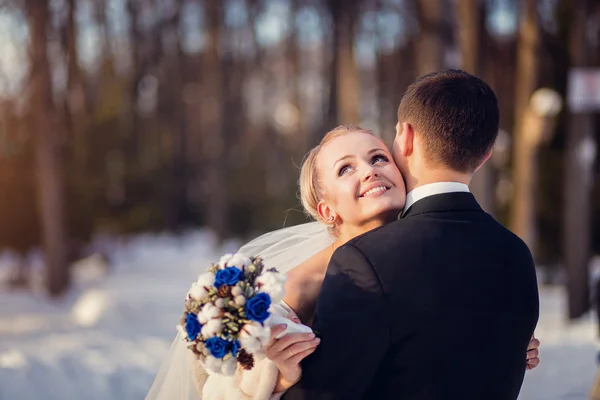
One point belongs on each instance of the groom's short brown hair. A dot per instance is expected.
(456, 116)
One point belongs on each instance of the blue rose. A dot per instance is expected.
(228, 276)
(257, 308)
(192, 326)
(217, 346)
(234, 346)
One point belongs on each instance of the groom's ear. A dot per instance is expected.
(405, 136)
(487, 157)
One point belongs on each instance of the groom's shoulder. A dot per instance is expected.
(388, 232)
(407, 232)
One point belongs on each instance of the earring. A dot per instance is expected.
(331, 219)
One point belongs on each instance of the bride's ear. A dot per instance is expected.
(325, 212)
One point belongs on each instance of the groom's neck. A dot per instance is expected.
(431, 175)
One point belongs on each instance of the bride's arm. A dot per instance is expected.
(304, 283)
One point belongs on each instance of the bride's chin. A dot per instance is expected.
(380, 218)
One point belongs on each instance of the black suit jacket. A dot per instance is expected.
(440, 304)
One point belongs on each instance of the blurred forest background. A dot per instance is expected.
(126, 116)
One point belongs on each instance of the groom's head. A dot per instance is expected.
(447, 120)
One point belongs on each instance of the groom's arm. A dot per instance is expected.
(353, 322)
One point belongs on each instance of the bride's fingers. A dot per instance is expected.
(279, 354)
(290, 339)
(302, 355)
(298, 348)
(534, 353)
(532, 363)
(533, 344)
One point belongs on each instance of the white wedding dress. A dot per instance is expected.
(182, 378)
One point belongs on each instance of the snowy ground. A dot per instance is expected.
(107, 338)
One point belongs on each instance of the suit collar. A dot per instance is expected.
(456, 201)
(421, 192)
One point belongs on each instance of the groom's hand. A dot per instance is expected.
(533, 353)
(287, 352)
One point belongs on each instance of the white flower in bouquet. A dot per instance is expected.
(212, 327)
(240, 300)
(201, 287)
(271, 278)
(254, 336)
(272, 283)
(237, 290)
(207, 279)
(239, 261)
(277, 293)
(197, 292)
(209, 311)
(224, 260)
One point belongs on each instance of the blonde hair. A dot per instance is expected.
(311, 192)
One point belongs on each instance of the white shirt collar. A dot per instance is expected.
(420, 192)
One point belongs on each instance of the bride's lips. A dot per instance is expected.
(374, 189)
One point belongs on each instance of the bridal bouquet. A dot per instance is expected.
(225, 321)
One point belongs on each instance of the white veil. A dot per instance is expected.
(283, 249)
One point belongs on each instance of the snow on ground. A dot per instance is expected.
(107, 338)
(568, 353)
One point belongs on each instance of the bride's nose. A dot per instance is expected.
(370, 173)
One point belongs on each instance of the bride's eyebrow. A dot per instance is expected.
(375, 150)
(342, 159)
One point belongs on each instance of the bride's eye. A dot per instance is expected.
(343, 169)
(379, 158)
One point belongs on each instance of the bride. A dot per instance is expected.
(328, 188)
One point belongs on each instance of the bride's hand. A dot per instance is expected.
(287, 352)
(533, 353)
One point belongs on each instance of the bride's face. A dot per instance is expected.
(361, 184)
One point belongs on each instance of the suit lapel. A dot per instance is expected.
(456, 201)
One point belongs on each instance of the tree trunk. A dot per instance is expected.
(471, 31)
(47, 143)
(469, 34)
(429, 44)
(76, 105)
(299, 134)
(138, 70)
(522, 220)
(177, 204)
(537, 126)
(212, 122)
(76, 99)
(577, 232)
(344, 91)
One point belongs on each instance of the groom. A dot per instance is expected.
(440, 304)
